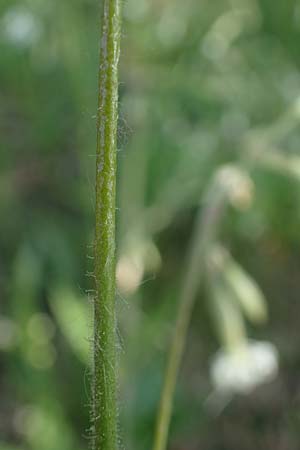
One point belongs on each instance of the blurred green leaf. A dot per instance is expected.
(227, 315)
(4, 446)
(71, 312)
(245, 291)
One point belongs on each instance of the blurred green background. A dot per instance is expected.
(209, 90)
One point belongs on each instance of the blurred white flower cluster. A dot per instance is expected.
(139, 257)
(242, 369)
(20, 27)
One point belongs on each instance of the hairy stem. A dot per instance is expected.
(205, 230)
(104, 411)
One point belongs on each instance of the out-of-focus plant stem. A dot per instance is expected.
(104, 409)
(205, 231)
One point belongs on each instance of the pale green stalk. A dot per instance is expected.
(205, 230)
(104, 395)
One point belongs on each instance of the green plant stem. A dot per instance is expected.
(205, 230)
(104, 410)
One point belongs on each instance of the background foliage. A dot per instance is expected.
(203, 84)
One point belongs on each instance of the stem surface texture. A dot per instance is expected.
(104, 389)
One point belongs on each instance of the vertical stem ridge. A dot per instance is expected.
(104, 410)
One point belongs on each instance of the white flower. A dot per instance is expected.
(242, 369)
(140, 256)
(20, 27)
